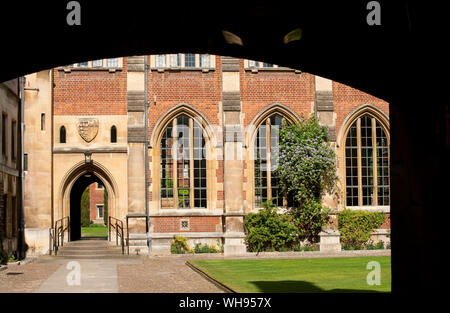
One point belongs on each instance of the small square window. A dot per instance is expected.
(175, 60)
(83, 64)
(252, 63)
(160, 60)
(204, 60)
(97, 63)
(189, 60)
(114, 62)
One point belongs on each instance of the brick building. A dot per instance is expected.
(207, 118)
(96, 203)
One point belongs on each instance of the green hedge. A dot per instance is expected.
(356, 226)
(269, 231)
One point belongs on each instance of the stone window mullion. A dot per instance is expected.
(175, 164)
(268, 164)
(191, 162)
(374, 163)
(358, 134)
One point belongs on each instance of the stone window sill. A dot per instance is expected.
(92, 69)
(271, 69)
(182, 69)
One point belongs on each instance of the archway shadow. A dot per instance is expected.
(298, 286)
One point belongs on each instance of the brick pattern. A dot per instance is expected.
(347, 99)
(261, 89)
(202, 91)
(196, 224)
(90, 92)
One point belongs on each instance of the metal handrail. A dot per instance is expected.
(117, 225)
(57, 234)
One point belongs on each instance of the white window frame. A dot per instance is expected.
(155, 62)
(98, 211)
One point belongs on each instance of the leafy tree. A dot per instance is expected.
(85, 208)
(307, 170)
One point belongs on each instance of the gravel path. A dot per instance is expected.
(25, 277)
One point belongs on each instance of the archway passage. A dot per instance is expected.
(76, 197)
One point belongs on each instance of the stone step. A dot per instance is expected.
(100, 256)
(89, 252)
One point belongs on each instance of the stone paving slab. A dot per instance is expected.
(84, 276)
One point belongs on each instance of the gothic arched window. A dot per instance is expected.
(366, 163)
(183, 165)
(62, 134)
(267, 182)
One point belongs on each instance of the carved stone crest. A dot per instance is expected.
(88, 128)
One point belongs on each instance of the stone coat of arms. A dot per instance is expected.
(88, 128)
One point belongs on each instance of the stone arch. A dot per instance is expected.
(275, 108)
(355, 114)
(250, 134)
(179, 109)
(78, 170)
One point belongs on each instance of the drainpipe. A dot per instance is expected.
(21, 246)
(146, 105)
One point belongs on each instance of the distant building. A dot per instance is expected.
(96, 198)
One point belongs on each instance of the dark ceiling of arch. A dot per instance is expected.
(336, 41)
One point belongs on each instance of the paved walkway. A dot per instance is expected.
(84, 276)
(157, 273)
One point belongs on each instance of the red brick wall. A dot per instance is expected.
(347, 99)
(95, 197)
(203, 91)
(90, 92)
(196, 224)
(261, 89)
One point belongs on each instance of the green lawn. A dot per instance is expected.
(298, 275)
(94, 231)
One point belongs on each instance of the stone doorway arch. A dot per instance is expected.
(76, 180)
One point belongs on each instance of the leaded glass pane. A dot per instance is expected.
(351, 163)
(114, 62)
(204, 60)
(160, 60)
(189, 60)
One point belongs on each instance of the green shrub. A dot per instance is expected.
(85, 208)
(355, 226)
(179, 245)
(205, 248)
(379, 245)
(269, 231)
